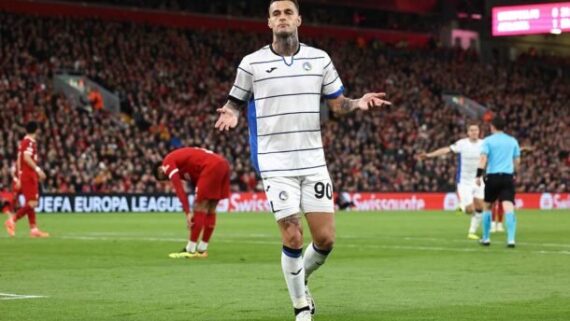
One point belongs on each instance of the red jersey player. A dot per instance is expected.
(210, 173)
(11, 199)
(30, 174)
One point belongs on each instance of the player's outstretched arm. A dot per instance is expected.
(343, 105)
(439, 152)
(229, 116)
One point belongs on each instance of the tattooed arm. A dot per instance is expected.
(343, 105)
(229, 114)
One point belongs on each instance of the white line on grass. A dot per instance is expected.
(135, 236)
(374, 246)
(11, 296)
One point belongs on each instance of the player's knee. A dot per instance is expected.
(33, 204)
(469, 209)
(325, 242)
(508, 207)
(294, 241)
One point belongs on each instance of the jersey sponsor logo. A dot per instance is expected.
(257, 202)
(270, 70)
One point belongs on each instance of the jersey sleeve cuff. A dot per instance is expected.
(236, 100)
(335, 94)
(174, 171)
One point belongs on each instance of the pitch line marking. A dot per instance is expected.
(396, 247)
(135, 237)
(11, 296)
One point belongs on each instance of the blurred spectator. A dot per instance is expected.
(95, 99)
(171, 81)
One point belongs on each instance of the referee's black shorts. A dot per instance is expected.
(499, 187)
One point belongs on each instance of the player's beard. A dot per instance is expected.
(286, 42)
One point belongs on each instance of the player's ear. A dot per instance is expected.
(299, 20)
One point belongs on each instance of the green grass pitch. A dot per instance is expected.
(386, 266)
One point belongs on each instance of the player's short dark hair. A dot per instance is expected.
(31, 127)
(498, 122)
(472, 123)
(157, 170)
(294, 2)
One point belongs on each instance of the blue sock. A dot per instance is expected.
(486, 226)
(511, 221)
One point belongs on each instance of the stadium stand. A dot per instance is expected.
(171, 81)
(383, 16)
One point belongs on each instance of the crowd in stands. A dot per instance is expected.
(314, 12)
(171, 81)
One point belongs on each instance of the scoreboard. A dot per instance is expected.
(553, 18)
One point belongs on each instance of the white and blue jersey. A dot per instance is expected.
(469, 154)
(284, 100)
(501, 150)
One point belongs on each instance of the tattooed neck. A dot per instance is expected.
(287, 45)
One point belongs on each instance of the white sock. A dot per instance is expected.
(313, 259)
(202, 246)
(292, 265)
(191, 247)
(475, 221)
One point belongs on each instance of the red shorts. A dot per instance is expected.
(7, 201)
(214, 182)
(29, 188)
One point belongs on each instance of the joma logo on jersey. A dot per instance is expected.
(270, 70)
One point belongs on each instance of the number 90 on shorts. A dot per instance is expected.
(299, 194)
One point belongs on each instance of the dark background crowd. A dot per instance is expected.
(171, 81)
(313, 12)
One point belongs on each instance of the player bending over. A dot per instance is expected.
(210, 173)
(9, 203)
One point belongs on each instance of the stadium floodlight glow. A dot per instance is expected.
(545, 18)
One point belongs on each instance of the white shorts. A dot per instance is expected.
(468, 191)
(292, 195)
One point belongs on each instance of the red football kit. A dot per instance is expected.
(29, 181)
(28, 175)
(209, 172)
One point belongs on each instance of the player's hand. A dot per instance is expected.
(422, 156)
(478, 181)
(17, 184)
(228, 118)
(41, 174)
(189, 217)
(372, 100)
